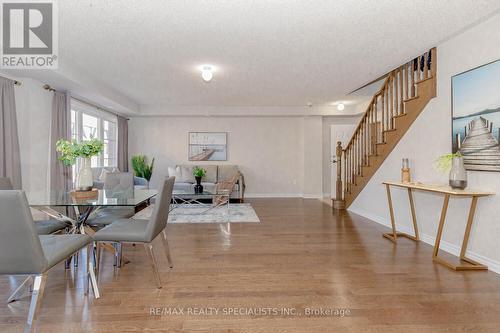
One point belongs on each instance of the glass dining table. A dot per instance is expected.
(76, 208)
(84, 206)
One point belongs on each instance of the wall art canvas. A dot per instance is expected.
(476, 117)
(207, 146)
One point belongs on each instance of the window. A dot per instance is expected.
(89, 122)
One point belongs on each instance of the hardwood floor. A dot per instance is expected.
(300, 256)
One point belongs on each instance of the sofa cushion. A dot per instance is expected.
(175, 172)
(187, 174)
(211, 176)
(180, 186)
(225, 172)
(208, 187)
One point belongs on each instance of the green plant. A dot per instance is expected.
(141, 167)
(199, 172)
(69, 151)
(443, 163)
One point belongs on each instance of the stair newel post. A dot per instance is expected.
(339, 202)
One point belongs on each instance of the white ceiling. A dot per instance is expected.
(267, 53)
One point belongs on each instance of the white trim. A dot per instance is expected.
(283, 195)
(273, 195)
(453, 249)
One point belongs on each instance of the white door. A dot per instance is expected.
(342, 133)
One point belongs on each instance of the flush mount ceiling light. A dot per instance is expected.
(340, 106)
(207, 72)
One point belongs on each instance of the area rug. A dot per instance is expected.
(238, 213)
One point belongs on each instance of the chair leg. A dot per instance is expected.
(19, 292)
(152, 259)
(91, 277)
(167, 248)
(36, 298)
(118, 254)
(97, 246)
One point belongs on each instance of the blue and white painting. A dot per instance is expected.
(207, 146)
(476, 117)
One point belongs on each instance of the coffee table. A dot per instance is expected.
(185, 199)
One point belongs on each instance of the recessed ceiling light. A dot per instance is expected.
(207, 72)
(340, 106)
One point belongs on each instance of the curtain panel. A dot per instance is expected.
(10, 156)
(122, 144)
(60, 128)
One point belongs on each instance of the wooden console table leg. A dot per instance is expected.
(441, 225)
(393, 237)
(473, 264)
(413, 214)
(470, 219)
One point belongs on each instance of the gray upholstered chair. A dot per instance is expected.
(24, 252)
(142, 231)
(114, 184)
(43, 227)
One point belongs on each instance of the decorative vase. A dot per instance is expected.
(405, 171)
(198, 188)
(84, 180)
(458, 174)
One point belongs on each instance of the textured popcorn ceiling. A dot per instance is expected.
(267, 53)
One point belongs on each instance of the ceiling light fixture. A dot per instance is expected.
(340, 106)
(207, 73)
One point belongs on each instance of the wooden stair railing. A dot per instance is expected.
(390, 113)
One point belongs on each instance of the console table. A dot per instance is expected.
(447, 192)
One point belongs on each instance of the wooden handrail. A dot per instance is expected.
(387, 103)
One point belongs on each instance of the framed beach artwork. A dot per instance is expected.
(207, 146)
(476, 117)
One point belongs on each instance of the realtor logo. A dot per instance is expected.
(29, 34)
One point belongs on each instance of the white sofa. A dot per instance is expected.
(97, 173)
(184, 179)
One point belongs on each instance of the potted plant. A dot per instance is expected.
(141, 167)
(70, 151)
(454, 164)
(198, 174)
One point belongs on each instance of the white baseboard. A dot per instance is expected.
(283, 195)
(273, 195)
(453, 249)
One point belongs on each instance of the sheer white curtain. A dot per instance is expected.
(60, 128)
(10, 159)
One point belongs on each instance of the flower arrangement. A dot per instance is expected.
(69, 151)
(443, 163)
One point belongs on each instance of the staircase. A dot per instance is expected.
(392, 110)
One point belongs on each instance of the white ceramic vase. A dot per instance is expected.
(84, 180)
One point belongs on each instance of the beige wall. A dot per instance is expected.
(279, 156)
(429, 138)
